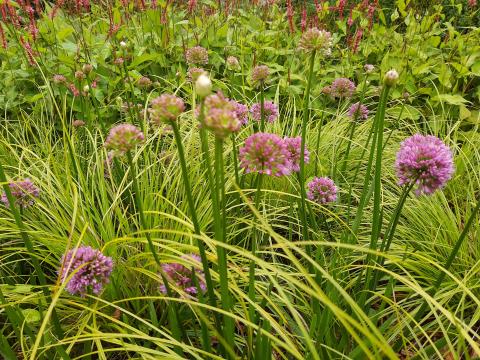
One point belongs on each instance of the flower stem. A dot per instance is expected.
(262, 109)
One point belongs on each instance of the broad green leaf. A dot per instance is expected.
(450, 99)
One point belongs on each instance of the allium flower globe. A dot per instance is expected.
(368, 68)
(220, 115)
(241, 111)
(316, 40)
(123, 138)
(197, 55)
(265, 153)
(193, 73)
(232, 63)
(260, 75)
(24, 192)
(183, 276)
(342, 88)
(358, 111)
(322, 190)
(90, 268)
(294, 146)
(270, 110)
(165, 108)
(426, 161)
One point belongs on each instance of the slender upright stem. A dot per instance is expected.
(306, 108)
(262, 108)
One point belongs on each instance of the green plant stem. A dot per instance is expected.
(36, 265)
(376, 219)
(228, 324)
(306, 108)
(317, 147)
(172, 310)
(262, 108)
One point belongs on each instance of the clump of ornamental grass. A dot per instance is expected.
(86, 270)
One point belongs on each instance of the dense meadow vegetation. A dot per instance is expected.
(239, 179)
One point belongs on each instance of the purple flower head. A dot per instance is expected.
(193, 73)
(91, 270)
(24, 192)
(265, 153)
(342, 88)
(165, 108)
(358, 111)
(183, 277)
(196, 55)
(123, 138)
(316, 40)
(220, 115)
(270, 110)
(241, 111)
(425, 160)
(368, 68)
(144, 82)
(260, 75)
(294, 146)
(322, 190)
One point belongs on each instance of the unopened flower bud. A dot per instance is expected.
(87, 68)
(391, 78)
(123, 44)
(203, 85)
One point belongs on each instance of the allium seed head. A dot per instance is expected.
(260, 75)
(316, 40)
(196, 55)
(87, 68)
(265, 153)
(270, 110)
(183, 276)
(220, 115)
(165, 108)
(342, 88)
(425, 160)
(91, 270)
(232, 63)
(294, 146)
(144, 82)
(322, 190)
(24, 193)
(123, 138)
(79, 75)
(59, 79)
(358, 111)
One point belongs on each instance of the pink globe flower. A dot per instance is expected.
(316, 40)
(193, 73)
(220, 115)
(269, 108)
(322, 190)
(241, 111)
(182, 276)
(358, 111)
(265, 153)
(196, 55)
(165, 108)
(24, 193)
(123, 138)
(342, 88)
(426, 161)
(260, 75)
(294, 145)
(90, 268)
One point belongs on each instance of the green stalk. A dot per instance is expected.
(36, 265)
(228, 324)
(317, 156)
(172, 310)
(306, 103)
(262, 108)
(376, 220)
